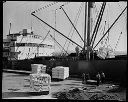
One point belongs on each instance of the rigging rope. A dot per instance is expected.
(119, 38)
(118, 41)
(75, 22)
(103, 33)
(111, 26)
(97, 13)
(108, 21)
(40, 42)
(46, 6)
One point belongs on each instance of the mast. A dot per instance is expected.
(88, 31)
(85, 28)
(10, 29)
(55, 28)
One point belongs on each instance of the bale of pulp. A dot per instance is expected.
(102, 53)
(43, 69)
(60, 72)
(40, 82)
(38, 68)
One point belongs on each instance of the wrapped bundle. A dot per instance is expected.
(38, 68)
(110, 53)
(43, 69)
(102, 52)
(40, 82)
(60, 72)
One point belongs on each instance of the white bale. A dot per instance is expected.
(60, 72)
(40, 82)
(102, 53)
(38, 68)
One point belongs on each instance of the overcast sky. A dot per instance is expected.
(19, 14)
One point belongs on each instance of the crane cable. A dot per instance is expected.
(118, 40)
(40, 42)
(46, 6)
(75, 22)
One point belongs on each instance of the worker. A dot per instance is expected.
(102, 77)
(98, 77)
(83, 78)
(88, 76)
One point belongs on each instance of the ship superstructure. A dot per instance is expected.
(26, 45)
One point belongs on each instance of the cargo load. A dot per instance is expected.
(40, 82)
(60, 72)
(38, 68)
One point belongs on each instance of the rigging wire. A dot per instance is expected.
(41, 41)
(111, 26)
(50, 34)
(108, 21)
(44, 7)
(98, 23)
(119, 6)
(75, 22)
(58, 43)
(103, 32)
(71, 23)
(118, 39)
(55, 27)
(97, 13)
(45, 29)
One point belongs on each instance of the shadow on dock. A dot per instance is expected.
(23, 94)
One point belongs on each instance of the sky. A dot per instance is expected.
(18, 13)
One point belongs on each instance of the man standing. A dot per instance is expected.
(83, 78)
(102, 77)
(98, 77)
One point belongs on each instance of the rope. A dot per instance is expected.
(76, 20)
(40, 43)
(111, 26)
(118, 41)
(108, 20)
(103, 30)
(97, 13)
(119, 37)
(74, 23)
(46, 6)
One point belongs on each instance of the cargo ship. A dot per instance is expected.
(26, 45)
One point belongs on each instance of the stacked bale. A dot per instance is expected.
(102, 53)
(60, 72)
(38, 68)
(40, 82)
